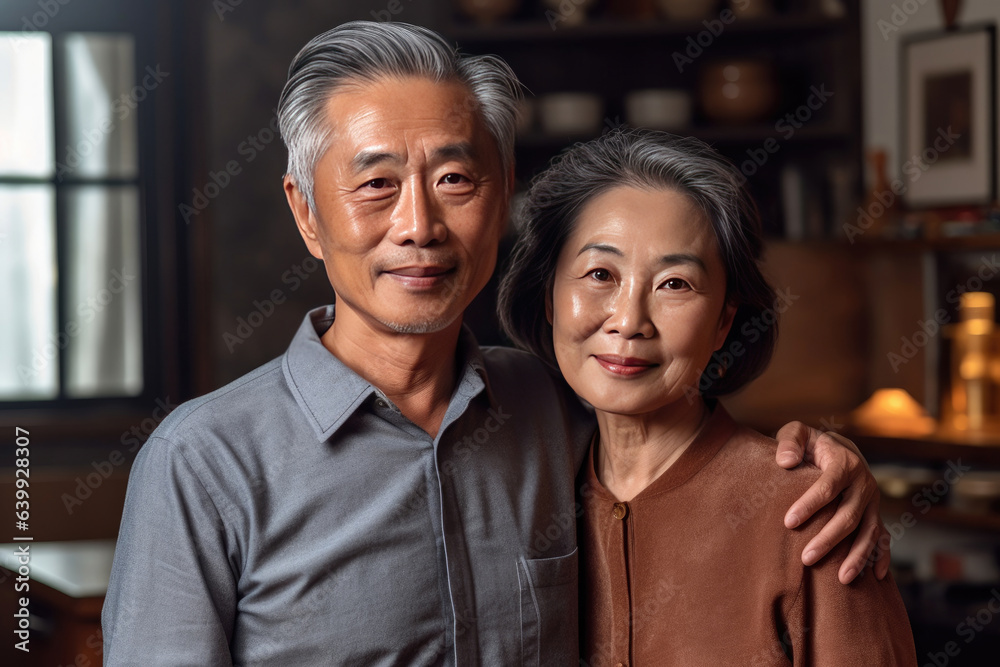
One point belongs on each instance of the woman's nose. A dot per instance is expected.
(628, 313)
(415, 219)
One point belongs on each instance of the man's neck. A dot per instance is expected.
(415, 371)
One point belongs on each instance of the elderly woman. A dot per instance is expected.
(642, 250)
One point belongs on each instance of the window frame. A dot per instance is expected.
(66, 417)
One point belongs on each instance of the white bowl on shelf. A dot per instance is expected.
(571, 113)
(658, 108)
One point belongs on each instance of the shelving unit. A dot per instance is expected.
(982, 452)
(612, 56)
(944, 516)
(810, 23)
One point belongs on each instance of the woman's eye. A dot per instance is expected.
(602, 275)
(676, 284)
(377, 183)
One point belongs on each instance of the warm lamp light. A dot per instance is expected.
(892, 412)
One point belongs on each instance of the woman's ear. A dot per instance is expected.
(725, 323)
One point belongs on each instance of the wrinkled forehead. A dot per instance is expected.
(387, 106)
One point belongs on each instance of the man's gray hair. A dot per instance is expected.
(369, 50)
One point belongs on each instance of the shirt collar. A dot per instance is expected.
(328, 392)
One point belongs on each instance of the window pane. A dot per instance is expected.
(103, 291)
(26, 104)
(101, 105)
(29, 353)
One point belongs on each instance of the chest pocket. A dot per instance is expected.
(549, 610)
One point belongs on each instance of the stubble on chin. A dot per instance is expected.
(421, 326)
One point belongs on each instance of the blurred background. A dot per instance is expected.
(147, 254)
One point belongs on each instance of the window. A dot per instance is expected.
(71, 228)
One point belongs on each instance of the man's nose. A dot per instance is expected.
(416, 219)
(628, 312)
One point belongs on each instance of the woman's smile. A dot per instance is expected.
(638, 301)
(624, 366)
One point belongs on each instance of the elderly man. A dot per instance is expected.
(386, 492)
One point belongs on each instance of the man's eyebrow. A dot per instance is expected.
(458, 151)
(366, 159)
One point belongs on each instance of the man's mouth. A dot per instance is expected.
(421, 276)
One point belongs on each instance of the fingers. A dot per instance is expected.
(872, 536)
(793, 439)
(841, 468)
(840, 525)
(883, 554)
(846, 442)
(835, 477)
(866, 547)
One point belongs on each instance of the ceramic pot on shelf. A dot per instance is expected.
(738, 91)
(751, 9)
(488, 11)
(687, 10)
(567, 12)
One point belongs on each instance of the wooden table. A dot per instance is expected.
(68, 581)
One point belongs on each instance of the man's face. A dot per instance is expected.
(410, 203)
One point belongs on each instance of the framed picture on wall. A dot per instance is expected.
(949, 119)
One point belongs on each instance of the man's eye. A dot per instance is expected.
(676, 284)
(377, 183)
(602, 275)
(453, 179)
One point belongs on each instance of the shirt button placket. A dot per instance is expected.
(620, 511)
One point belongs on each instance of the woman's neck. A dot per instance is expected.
(636, 449)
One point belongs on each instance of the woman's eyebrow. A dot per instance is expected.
(602, 247)
(670, 260)
(683, 258)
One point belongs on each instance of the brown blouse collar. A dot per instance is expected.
(718, 429)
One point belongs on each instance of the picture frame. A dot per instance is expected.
(949, 128)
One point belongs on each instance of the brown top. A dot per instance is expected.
(701, 563)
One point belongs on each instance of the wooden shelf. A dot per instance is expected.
(971, 242)
(749, 134)
(798, 25)
(893, 508)
(981, 452)
(612, 56)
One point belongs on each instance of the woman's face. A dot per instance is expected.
(638, 301)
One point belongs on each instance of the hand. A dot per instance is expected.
(845, 470)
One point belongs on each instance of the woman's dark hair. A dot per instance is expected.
(643, 159)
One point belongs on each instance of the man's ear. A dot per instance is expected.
(725, 323)
(304, 218)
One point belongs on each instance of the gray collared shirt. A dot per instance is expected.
(296, 517)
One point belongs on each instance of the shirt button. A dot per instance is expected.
(381, 403)
(620, 511)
